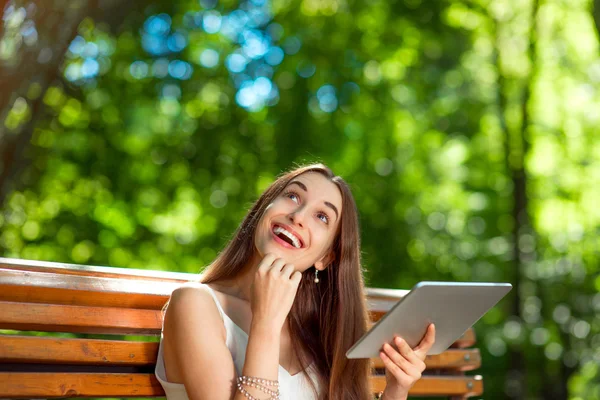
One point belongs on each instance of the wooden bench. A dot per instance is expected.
(55, 322)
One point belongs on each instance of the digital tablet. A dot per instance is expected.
(452, 306)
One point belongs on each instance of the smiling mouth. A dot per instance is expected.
(287, 236)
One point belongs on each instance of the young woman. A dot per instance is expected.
(274, 314)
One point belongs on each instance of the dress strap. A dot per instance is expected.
(221, 311)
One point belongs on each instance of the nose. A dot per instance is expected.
(297, 217)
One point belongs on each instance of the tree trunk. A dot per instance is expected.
(57, 29)
(596, 14)
(516, 148)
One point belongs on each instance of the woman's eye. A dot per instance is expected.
(290, 194)
(325, 218)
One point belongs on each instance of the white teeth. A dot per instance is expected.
(293, 238)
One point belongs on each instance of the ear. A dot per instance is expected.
(324, 261)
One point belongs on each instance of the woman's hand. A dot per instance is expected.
(273, 291)
(404, 368)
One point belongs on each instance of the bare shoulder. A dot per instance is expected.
(190, 292)
(193, 298)
(194, 341)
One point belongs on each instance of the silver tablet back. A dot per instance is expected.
(452, 306)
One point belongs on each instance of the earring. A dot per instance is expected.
(316, 276)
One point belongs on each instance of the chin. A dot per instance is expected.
(276, 251)
(268, 248)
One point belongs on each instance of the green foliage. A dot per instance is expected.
(466, 130)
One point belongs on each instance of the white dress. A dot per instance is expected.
(291, 387)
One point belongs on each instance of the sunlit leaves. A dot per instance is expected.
(162, 133)
(18, 30)
(88, 57)
(18, 115)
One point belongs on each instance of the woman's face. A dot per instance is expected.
(300, 224)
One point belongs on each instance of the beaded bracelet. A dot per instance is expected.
(252, 379)
(257, 383)
(250, 397)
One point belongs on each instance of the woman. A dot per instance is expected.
(282, 303)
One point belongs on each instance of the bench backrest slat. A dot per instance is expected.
(461, 386)
(386, 298)
(53, 288)
(102, 320)
(26, 385)
(79, 319)
(73, 351)
(32, 385)
(88, 270)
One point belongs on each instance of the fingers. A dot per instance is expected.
(265, 264)
(288, 270)
(408, 353)
(296, 277)
(427, 342)
(399, 365)
(391, 366)
(275, 266)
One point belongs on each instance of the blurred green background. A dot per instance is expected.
(137, 134)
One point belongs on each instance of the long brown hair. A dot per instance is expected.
(327, 318)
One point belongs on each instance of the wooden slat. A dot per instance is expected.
(53, 288)
(100, 272)
(52, 385)
(24, 385)
(48, 350)
(110, 320)
(48, 286)
(467, 339)
(383, 299)
(439, 385)
(79, 319)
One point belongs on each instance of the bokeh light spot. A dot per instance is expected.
(209, 58)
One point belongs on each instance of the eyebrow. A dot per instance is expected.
(328, 204)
